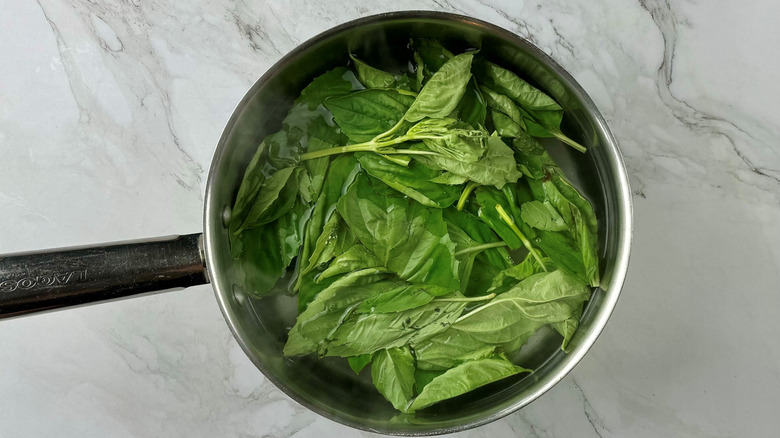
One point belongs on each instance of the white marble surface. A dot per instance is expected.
(109, 114)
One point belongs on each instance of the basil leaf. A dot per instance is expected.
(472, 108)
(507, 117)
(486, 201)
(507, 83)
(548, 124)
(450, 348)
(408, 238)
(392, 371)
(477, 232)
(528, 267)
(357, 363)
(464, 378)
(449, 178)
(334, 240)
(250, 186)
(441, 94)
(450, 138)
(354, 258)
(496, 168)
(548, 183)
(421, 73)
(372, 77)
(568, 327)
(431, 55)
(316, 169)
(538, 300)
(502, 104)
(541, 114)
(402, 298)
(564, 251)
(336, 82)
(341, 172)
(584, 221)
(363, 115)
(267, 251)
(413, 181)
(505, 126)
(424, 377)
(370, 332)
(329, 308)
(407, 83)
(478, 262)
(275, 198)
(465, 258)
(542, 215)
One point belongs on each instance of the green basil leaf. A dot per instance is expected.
(528, 267)
(549, 297)
(369, 332)
(508, 321)
(441, 94)
(509, 84)
(541, 114)
(564, 251)
(317, 168)
(548, 124)
(357, 363)
(464, 378)
(568, 327)
(365, 114)
(450, 138)
(341, 172)
(392, 371)
(372, 77)
(247, 192)
(431, 55)
(336, 82)
(585, 224)
(483, 264)
(276, 197)
(463, 243)
(543, 216)
(409, 239)
(449, 178)
(354, 258)
(449, 349)
(502, 104)
(472, 108)
(505, 126)
(496, 168)
(542, 123)
(551, 119)
(487, 198)
(424, 377)
(267, 251)
(413, 181)
(334, 240)
(548, 183)
(421, 73)
(402, 298)
(407, 83)
(327, 310)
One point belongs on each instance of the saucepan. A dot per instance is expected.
(36, 282)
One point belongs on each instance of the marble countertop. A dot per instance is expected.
(109, 115)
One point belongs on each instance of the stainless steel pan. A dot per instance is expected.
(58, 279)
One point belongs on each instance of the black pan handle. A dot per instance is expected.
(55, 279)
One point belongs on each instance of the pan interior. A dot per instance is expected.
(328, 386)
